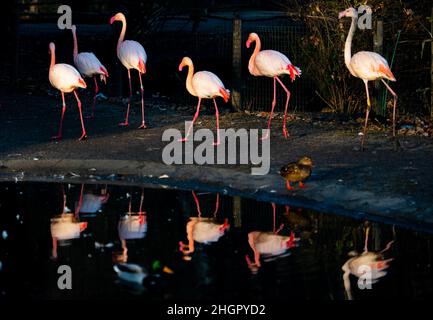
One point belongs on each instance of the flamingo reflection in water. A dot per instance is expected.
(368, 261)
(270, 245)
(133, 225)
(90, 203)
(65, 226)
(202, 230)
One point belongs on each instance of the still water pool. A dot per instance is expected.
(75, 241)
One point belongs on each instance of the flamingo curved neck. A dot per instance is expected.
(348, 45)
(122, 33)
(53, 58)
(189, 86)
(251, 64)
(75, 52)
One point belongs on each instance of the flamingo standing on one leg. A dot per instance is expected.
(271, 63)
(368, 66)
(65, 78)
(89, 66)
(133, 56)
(204, 85)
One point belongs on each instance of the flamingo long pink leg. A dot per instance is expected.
(192, 123)
(84, 134)
(217, 124)
(94, 99)
(217, 205)
(285, 133)
(59, 135)
(143, 124)
(141, 201)
(395, 105)
(126, 123)
(366, 115)
(273, 215)
(274, 102)
(367, 231)
(80, 202)
(140, 212)
(197, 203)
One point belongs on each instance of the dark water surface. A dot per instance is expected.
(38, 235)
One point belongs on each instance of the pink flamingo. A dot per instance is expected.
(368, 66)
(271, 63)
(65, 78)
(204, 85)
(89, 66)
(133, 56)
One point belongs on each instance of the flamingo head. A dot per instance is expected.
(350, 13)
(51, 47)
(185, 62)
(251, 38)
(117, 17)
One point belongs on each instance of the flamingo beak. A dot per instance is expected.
(112, 19)
(248, 43)
(181, 66)
(342, 14)
(83, 226)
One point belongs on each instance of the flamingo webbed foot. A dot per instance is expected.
(83, 137)
(124, 124)
(142, 126)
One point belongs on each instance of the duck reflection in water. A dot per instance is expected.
(202, 230)
(65, 226)
(367, 261)
(90, 203)
(269, 245)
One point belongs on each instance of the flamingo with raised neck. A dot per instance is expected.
(65, 78)
(368, 66)
(204, 85)
(133, 56)
(272, 64)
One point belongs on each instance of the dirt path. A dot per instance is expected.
(379, 183)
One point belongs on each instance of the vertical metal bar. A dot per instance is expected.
(237, 63)
(378, 48)
(431, 69)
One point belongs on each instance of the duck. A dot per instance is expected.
(297, 172)
(130, 272)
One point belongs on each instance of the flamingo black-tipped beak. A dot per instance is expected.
(248, 43)
(112, 20)
(341, 14)
(181, 66)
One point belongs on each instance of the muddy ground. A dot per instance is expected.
(379, 183)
